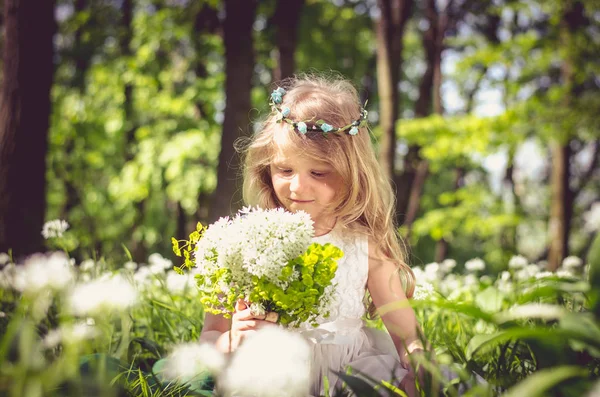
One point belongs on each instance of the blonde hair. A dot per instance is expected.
(368, 204)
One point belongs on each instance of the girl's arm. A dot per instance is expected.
(385, 288)
(216, 331)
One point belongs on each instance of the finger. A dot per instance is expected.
(247, 325)
(242, 315)
(241, 305)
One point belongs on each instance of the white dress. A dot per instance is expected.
(342, 340)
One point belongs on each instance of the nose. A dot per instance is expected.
(297, 184)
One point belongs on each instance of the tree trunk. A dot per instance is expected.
(206, 22)
(286, 19)
(429, 97)
(24, 122)
(390, 31)
(561, 207)
(239, 67)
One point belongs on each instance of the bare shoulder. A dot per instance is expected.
(383, 282)
(377, 260)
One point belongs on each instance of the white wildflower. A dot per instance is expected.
(474, 265)
(103, 294)
(432, 270)
(447, 265)
(450, 283)
(71, 334)
(542, 311)
(423, 291)
(544, 274)
(190, 360)
(54, 228)
(44, 271)
(532, 269)
(470, 280)
(87, 265)
(543, 264)
(571, 262)
(564, 273)
(156, 269)
(141, 276)
(505, 276)
(160, 261)
(4, 258)
(180, 283)
(517, 262)
(131, 266)
(272, 363)
(592, 218)
(485, 279)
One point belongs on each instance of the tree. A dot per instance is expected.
(239, 67)
(390, 31)
(286, 19)
(24, 121)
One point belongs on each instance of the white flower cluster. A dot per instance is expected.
(54, 228)
(40, 272)
(273, 362)
(105, 294)
(255, 242)
(592, 218)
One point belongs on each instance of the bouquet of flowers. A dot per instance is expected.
(265, 257)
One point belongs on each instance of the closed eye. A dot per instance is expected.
(318, 174)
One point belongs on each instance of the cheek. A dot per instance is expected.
(279, 185)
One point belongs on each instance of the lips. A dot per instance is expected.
(301, 201)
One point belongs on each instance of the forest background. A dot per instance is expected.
(120, 117)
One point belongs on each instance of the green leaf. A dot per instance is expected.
(358, 385)
(540, 383)
(489, 300)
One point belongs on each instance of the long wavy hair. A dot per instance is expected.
(367, 204)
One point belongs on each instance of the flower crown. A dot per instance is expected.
(319, 125)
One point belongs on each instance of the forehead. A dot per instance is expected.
(289, 147)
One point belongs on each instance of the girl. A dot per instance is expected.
(314, 154)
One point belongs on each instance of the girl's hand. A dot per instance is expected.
(244, 324)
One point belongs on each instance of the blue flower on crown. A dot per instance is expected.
(277, 95)
(285, 112)
(326, 127)
(301, 126)
(353, 131)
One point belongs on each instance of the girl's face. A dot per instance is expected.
(301, 183)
